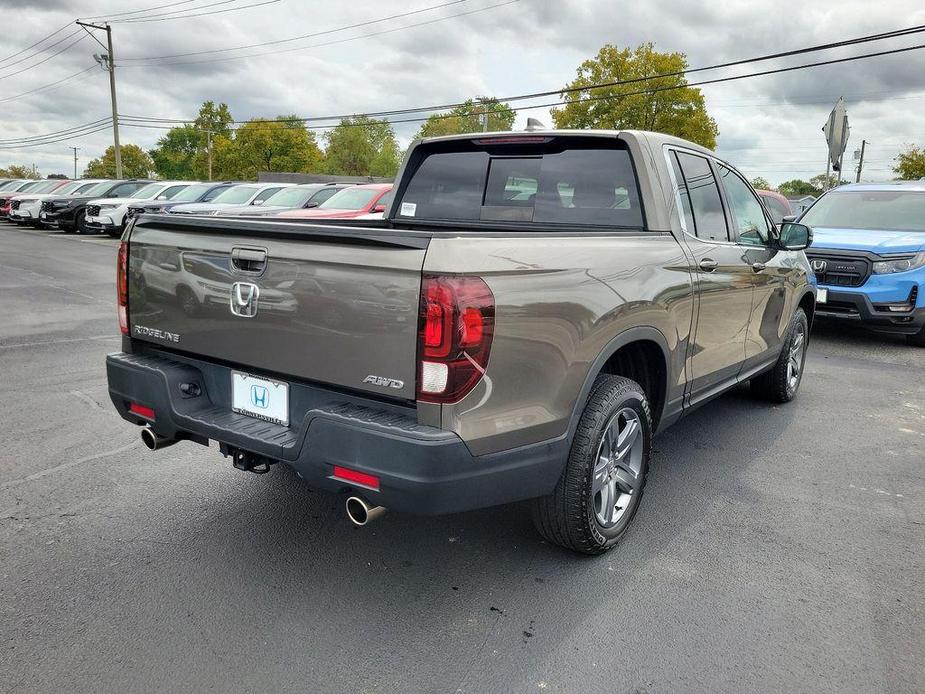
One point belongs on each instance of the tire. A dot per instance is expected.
(917, 339)
(577, 517)
(781, 383)
(79, 222)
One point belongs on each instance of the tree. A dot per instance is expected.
(759, 183)
(216, 119)
(675, 109)
(176, 153)
(467, 118)
(265, 145)
(798, 187)
(136, 163)
(910, 164)
(19, 171)
(362, 146)
(822, 184)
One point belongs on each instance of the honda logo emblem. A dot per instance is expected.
(819, 265)
(244, 299)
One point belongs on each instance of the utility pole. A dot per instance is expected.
(209, 150)
(861, 161)
(108, 62)
(75, 161)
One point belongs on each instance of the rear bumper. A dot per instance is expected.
(421, 469)
(858, 308)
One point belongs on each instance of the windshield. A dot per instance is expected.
(23, 187)
(149, 191)
(97, 189)
(44, 186)
(291, 197)
(68, 188)
(191, 193)
(350, 199)
(85, 188)
(900, 210)
(235, 196)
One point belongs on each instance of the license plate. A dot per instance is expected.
(822, 295)
(259, 397)
(91, 220)
(43, 215)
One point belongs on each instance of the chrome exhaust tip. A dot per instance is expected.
(360, 512)
(155, 441)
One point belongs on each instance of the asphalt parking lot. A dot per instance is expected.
(778, 548)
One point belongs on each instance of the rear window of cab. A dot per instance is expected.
(541, 181)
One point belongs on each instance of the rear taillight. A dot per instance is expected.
(456, 327)
(122, 287)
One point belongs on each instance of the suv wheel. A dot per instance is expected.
(917, 339)
(601, 487)
(782, 382)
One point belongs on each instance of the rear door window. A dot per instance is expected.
(582, 185)
(699, 185)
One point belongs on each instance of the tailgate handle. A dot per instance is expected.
(249, 260)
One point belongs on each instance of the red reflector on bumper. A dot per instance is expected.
(348, 475)
(141, 410)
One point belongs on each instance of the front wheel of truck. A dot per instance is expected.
(781, 383)
(601, 487)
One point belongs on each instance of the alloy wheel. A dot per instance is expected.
(618, 468)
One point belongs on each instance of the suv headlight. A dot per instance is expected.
(886, 267)
(109, 206)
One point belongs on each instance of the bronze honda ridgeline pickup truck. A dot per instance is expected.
(533, 308)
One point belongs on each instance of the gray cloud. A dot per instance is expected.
(769, 125)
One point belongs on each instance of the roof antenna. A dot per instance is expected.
(534, 124)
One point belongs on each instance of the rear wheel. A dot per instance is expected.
(601, 487)
(782, 382)
(917, 339)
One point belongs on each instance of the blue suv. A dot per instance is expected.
(868, 254)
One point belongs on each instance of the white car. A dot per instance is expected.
(107, 215)
(26, 206)
(244, 194)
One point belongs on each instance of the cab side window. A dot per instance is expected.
(750, 220)
(699, 186)
(265, 194)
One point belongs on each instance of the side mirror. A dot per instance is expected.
(795, 236)
(309, 205)
(379, 208)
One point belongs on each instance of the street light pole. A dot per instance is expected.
(108, 63)
(75, 161)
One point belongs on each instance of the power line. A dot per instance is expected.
(42, 50)
(64, 138)
(45, 60)
(606, 97)
(27, 48)
(533, 95)
(47, 86)
(303, 36)
(161, 18)
(147, 9)
(16, 140)
(327, 43)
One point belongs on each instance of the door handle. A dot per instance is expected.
(708, 265)
(758, 267)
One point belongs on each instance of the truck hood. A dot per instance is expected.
(882, 242)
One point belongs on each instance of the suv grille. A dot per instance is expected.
(47, 206)
(93, 210)
(839, 270)
(15, 204)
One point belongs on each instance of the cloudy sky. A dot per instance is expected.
(769, 126)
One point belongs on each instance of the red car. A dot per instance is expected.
(349, 203)
(777, 205)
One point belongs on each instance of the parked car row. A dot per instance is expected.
(105, 206)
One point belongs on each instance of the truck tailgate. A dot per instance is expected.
(328, 304)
